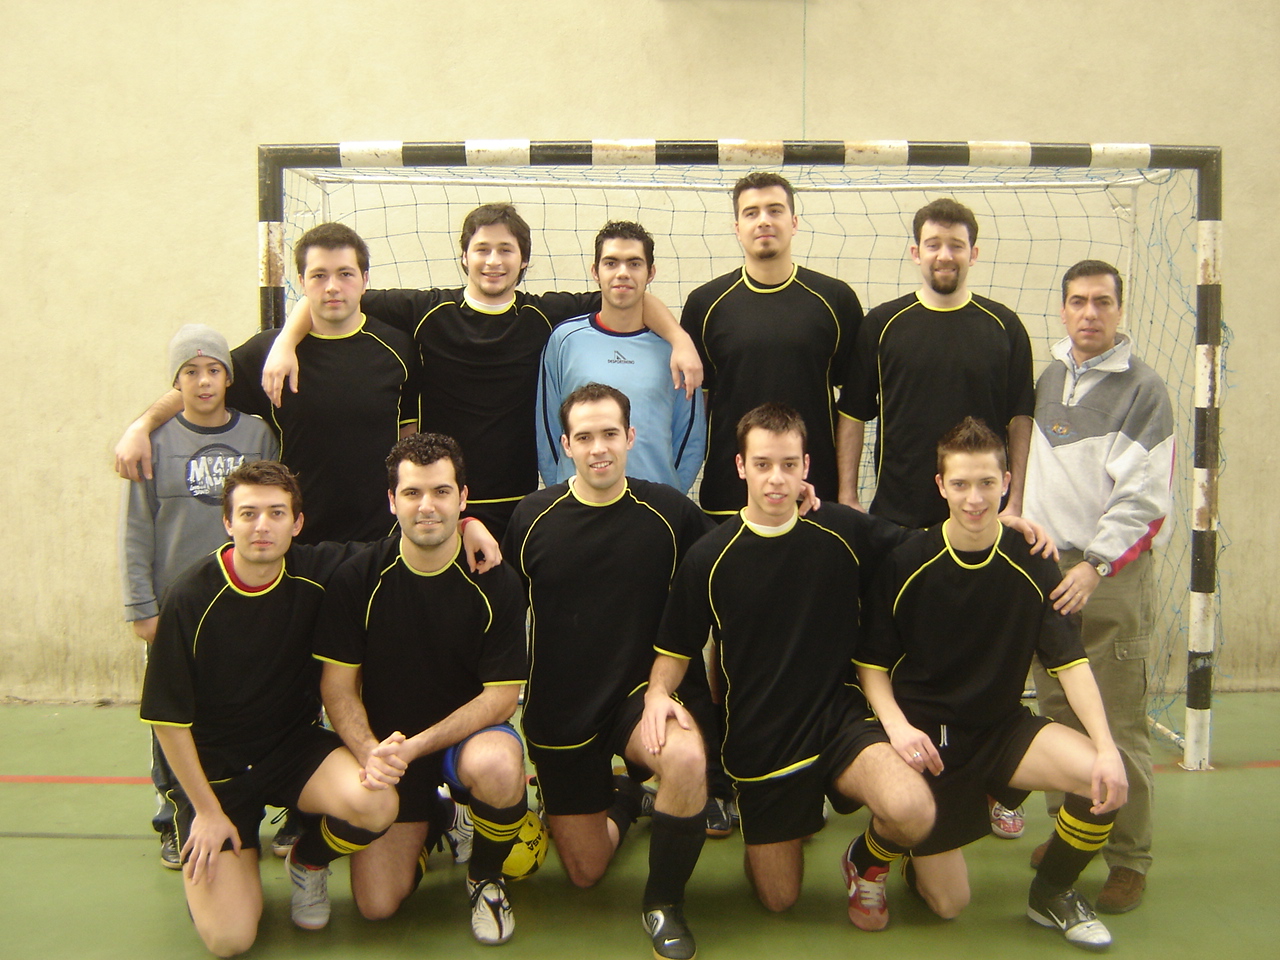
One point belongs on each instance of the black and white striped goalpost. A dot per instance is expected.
(1205, 162)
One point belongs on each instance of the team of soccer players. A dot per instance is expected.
(858, 658)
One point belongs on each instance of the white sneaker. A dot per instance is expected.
(492, 921)
(1070, 913)
(462, 834)
(1005, 823)
(309, 906)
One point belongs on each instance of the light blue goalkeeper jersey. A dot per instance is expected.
(671, 431)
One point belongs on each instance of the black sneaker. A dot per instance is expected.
(170, 856)
(288, 833)
(648, 797)
(719, 817)
(1069, 912)
(669, 933)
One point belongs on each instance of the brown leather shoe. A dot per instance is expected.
(1038, 854)
(1122, 891)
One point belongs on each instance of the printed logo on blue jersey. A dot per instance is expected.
(208, 468)
(619, 358)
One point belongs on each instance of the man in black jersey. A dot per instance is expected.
(597, 554)
(419, 651)
(230, 690)
(956, 614)
(480, 348)
(925, 361)
(779, 593)
(332, 438)
(769, 331)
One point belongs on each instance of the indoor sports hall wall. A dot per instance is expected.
(129, 199)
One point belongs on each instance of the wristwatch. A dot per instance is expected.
(1100, 566)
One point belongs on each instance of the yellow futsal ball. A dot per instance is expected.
(529, 850)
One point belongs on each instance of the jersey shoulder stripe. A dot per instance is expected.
(404, 367)
(368, 607)
(827, 530)
(484, 597)
(715, 564)
(533, 524)
(642, 502)
(920, 569)
(455, 303)
(1022, 570)
(195, 640)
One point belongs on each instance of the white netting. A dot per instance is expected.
(855, 224)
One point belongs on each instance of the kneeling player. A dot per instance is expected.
(231, 691)
(780, 594)
(598, 554)
(957, 615)
(413, 642)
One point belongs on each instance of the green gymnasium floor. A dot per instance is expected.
(79, 876)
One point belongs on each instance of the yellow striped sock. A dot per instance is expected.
(877, 851)
(497, 832)
(1089, 837)
(340, 846)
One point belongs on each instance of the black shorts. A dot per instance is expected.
(788, 807)
(418, 788)
(578, 780)
(277, 780)
(977, 762)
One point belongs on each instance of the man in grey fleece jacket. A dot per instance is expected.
(1099, 481)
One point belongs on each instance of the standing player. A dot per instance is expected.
(480, 347)
(925, 361)
(780, 594)
(334, 437)
(956, 615)
(770, 331)
(1099, 481)
(598, 554)
(231, 693)
(922, 363)
(413, 643)
(173, 519)
(614, 347)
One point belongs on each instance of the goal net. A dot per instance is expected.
(855, 224)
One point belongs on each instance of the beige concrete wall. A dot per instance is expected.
(128, 196)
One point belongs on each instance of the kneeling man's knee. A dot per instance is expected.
(375, 810)
(777, 901)
(948, 904)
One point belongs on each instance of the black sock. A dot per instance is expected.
(674, 846)
(328, 839)
(873, 850)
(626, 804)
(496, 829)
(1077, 837)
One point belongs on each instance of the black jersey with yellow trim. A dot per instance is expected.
(789, 343)
(426, 643)
(783, 604)
(957, 630)
(598, 577)
(921, 371)
(357, 390)
(236, 666)
(480, 375)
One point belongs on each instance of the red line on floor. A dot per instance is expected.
(32, 778)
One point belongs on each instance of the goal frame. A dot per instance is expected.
(1204, 161)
